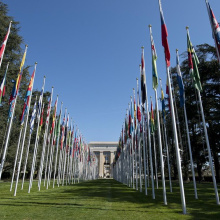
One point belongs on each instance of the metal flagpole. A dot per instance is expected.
(24, 134)
(37, 137)
(13, 102)
(209, 150)
(16, 156)
(29, 140)
(135, 143)
(188, 137)
(45, 140)
(155, 160)
(58, 137)
(174, 127)
(167, 149)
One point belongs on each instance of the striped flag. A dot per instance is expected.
(164, 34)
(16, 85)
(143, 79)
(154, 64)
(2, 87)
(33, 116)
(152, 119)
(3, 46)
(215, 29)
(27, 98)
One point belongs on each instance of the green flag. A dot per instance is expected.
(154, 64)
(193, 64)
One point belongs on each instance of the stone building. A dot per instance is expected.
(105, 152)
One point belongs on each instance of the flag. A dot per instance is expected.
(63, 131)
(33, 116)
(215, 29)
(138, 106)
(131, 118)
(54, 116)
(40, 101)
(2, 87)
(2, 49)
(154, 64)
(135, 114)
(193, 62)
(180, 81)
(27, 97)
(163, 105)
(164, 34)
(16, 86)
(143, 79)
(48, 111)
(41, 120)
(152, 119)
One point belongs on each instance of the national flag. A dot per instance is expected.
(27, 97)
(33, 116)
(16, 86)
(193, 62)
(54, 116)
(152, 119)
(143, 79)
(2, 87)
(41, 120)
(138, 105)
(154, 64)
(164, 34)
(135, 114)
(63, 131)
(131, 118)
(180, 81)
(2, 49)
(215, 29)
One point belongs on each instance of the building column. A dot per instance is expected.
(111, 163)
(101, 164)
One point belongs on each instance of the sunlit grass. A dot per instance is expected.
(105, 199)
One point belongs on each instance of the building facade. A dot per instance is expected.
(105, 152)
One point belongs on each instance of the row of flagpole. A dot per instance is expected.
(138, 126)
(72, 154)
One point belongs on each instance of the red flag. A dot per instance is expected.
(164, 34)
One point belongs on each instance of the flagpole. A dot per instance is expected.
(135, 143)
(37, 137)
(45, 140)
(5, 42)
(29, 141)
(167, 149)
(213, 34)
(11, 120)
(189, 142)
(16, 157)
(209, 150)
(207, 141)
(24, 134)
(58, 136)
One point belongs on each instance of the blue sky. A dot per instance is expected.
(90, 51)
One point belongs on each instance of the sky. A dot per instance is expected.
(90, 51)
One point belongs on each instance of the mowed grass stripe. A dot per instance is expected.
(105, 199)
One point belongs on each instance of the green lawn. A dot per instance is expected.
(105, 199)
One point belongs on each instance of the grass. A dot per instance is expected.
(105, 199)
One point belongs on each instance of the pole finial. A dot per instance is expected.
(187, 27)
(149, 25)
(36, 63)
(142, 47)
(139, 65)
(177, 50)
